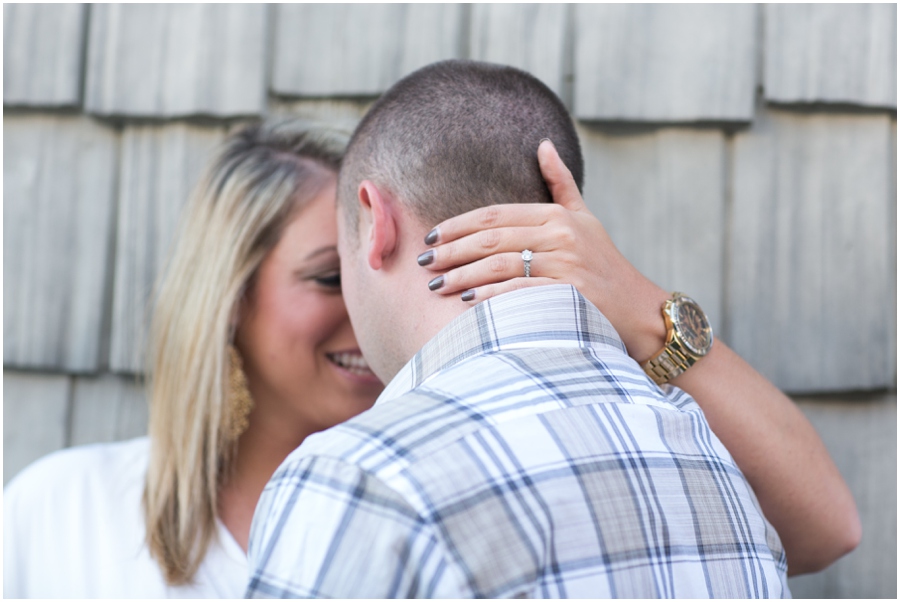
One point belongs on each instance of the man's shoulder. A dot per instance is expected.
(359, 532)
(482, 392)
(385, 437)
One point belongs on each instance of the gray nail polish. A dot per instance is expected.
(436, 283)
(468, 295)
(426, 257)
(431, 237)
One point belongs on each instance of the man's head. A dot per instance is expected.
(448, 138)
(457, 135)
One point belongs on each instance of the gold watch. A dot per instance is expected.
(689, 338)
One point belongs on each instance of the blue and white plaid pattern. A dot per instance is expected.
(520, 453)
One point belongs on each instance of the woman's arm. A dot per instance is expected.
(798, 486)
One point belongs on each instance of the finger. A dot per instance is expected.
(485, 243)
(488, 218)
(479, 294)
(559, 179)
(491, 270)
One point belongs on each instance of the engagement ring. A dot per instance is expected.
(526, 257)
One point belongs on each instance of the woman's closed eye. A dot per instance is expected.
(322, 266)
(331, 280)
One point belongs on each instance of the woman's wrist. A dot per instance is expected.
(644, 331)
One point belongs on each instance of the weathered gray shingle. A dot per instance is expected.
(860, 433)
(532, 37)
(107, 408)
(810, 277)
(160, 166)
(342, 114)
(660, 197)
(839, 53)
(665, 62)
(892, 249)
(358, 49)
(58, 188)
(164, 60)
(35, 416)
(42, 57)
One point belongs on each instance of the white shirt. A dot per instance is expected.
(73, 528)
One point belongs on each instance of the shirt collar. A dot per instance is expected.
(552, 315)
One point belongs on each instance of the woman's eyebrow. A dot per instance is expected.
(322, 250)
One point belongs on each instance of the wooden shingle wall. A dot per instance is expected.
(810, 228)
(834, 53)
(745, 154)
(359, 50)
(59, 201)
(160, 165)
(42, 57)
(533, 37)
(169, 60)
(648, 191)
(665, 62)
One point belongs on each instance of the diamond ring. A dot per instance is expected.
(526, 258)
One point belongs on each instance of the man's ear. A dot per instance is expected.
(382, 237)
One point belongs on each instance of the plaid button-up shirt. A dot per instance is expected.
(520, 453)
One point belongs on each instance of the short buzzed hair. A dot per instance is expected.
(457, 135)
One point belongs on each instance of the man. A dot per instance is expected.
(517, 450)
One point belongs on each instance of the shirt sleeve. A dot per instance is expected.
(679, 398)
(326, 529)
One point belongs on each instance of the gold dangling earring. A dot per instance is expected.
(240, 400)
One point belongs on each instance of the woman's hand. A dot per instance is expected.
(483, 251)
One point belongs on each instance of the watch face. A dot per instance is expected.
(693, 326)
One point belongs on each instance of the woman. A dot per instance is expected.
(252, 351)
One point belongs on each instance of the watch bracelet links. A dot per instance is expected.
(667, 364)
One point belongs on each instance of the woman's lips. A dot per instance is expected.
(354, 363)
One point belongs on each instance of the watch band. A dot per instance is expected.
(666, 365)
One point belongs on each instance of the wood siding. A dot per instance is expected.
(359, 49)
(59, 202)
(652, 196)
(533, 37)
(167, 60)
(811, 247)
(42, 54)
(831, 53)
(160, 166)
(665, 62)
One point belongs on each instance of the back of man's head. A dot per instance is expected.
(458, 135)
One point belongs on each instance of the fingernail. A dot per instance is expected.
(436, 283)
(548, 140)
(431, 238)
(468, 295)
(426, 257)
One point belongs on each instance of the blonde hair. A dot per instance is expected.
(260, 177)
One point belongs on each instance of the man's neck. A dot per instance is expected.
(419, 312)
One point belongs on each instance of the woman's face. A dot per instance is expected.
(303, 365)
